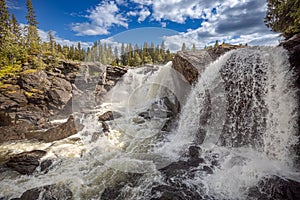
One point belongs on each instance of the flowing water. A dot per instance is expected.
(242, 113)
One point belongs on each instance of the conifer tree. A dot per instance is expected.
(51, 42)
(4, 33)
(33, 39)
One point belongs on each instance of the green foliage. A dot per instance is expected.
(283, 16)
(10, 70)
(130, 55)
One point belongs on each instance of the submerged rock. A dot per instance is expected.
(275, 188)
(26, 162)
(48, 192)
(107, 116)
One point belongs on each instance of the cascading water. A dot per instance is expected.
(242, 113)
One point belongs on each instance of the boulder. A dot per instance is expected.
(34, 80)
(275, 188)
(10, 92)
(57, 133)
(105, 127)
(48, 192)
(108, 116)
(26, 162)
(60, 92)
(192, 63)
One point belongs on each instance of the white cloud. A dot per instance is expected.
(104, 16)
(12, 5)
(232, 21)
(144, 13)
(131, 13)
(44, 37)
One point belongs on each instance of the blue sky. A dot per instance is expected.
(199, 22)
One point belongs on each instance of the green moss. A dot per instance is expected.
(33, 90)
(29, 71)
(11, 70)
(28, 94)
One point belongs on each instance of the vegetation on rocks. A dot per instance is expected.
(284, 17)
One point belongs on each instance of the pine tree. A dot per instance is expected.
(33, 39)
(51, 42)
(5, 32)
(216, 44)
(194, 47)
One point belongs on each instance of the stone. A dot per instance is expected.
(60, 92)
(107, 116)
(105, 127)
(34, 80)
(48, 192)
(15, 132)
(26, 162)
(59, 132)
(45, 164)
(275, 188)
(5, 119)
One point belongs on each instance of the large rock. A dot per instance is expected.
(48, 192)
(11, 97)
(60, 92)
(34, 80)
(192, 63)
(57, 133)
(26, 162)
(275, 188)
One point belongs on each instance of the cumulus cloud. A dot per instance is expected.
(100, 19)
(44, 37)
(229, 21)
(143, 14)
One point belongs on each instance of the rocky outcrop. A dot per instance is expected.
(26, 162)
(14, 132)
(293, 46)
(192, 63)
(47, 192)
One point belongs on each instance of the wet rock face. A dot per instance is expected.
(26, 162)
(5, 119)
(48, 192)
(192, 63)
(293, 46)
(275, 188)
(59, 132)
(14, 131)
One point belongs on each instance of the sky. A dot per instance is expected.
(199, 22)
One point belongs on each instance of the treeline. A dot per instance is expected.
(22, 44)
(129, 55)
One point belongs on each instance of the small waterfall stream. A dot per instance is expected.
(242, 114)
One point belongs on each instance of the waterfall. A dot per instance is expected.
(243, 109)
(241, 113)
